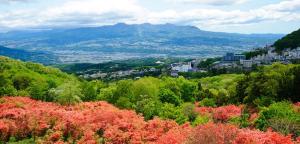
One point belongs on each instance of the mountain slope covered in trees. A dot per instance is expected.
(291, 41)
(19, 78)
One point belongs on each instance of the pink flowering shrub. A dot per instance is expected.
(223, 113)
(94, 122)
(82, 123)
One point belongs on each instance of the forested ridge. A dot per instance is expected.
(262, 104)
(290, 41)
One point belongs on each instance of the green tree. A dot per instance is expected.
(107, 94)
(167, 96)
(89, 91)
(188, 89)
(169, 111)
(22, 81)
(68, 93)
(188, 109)
(38, 90)
(148, 106)
(145, 87)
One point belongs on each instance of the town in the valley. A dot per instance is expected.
(229, 61)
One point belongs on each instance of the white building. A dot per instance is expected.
(182, 67)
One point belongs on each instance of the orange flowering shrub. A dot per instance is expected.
(83, 123)
(100, 122)
(247, 136)
(223, 113)
(213, 134)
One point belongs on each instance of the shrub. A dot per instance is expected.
(90, 122)
(281, 117)
(201, 120)
(68, 93)
(213, 134)
(209, 102)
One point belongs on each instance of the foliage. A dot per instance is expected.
(26, 120)
(188, 110)
(280, 117)
(209, 102)
(200, 120)
(169, 111)
(30, 79)
(51, 123)
(229, 134)
(271, 83)
(67, 94)
(256, 52)
(208, 62)
(291, 41)
(213, 134)
(167, 96)
(221, 88)
(220, 114)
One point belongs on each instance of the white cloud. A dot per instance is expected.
(75, 13)
(11, 1)
(210, 2)
(287, 5)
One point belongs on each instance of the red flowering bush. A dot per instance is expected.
(230, 134)
(246, 136)
(82, 123)
(100, 122)
(213, 134)
(223, 113)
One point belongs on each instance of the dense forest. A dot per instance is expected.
(291, 41)
(265, 100)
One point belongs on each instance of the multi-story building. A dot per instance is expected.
(231, 57)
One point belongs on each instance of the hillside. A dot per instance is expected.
(291, 41)
(40, 57)
(24, 120)
(122, 41)
(30, 79)
(74, 111)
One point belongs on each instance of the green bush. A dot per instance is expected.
(281, 117)
(169, 111)
(201, 120)
(167, 96)
(208, 102)
(68, 93)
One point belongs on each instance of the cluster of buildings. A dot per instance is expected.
(271, 56)
(119, 74)
(231, 60)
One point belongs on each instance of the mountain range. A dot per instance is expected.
(123, 41)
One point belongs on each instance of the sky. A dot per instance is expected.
(236, 16)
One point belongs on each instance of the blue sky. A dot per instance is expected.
(241, 16)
